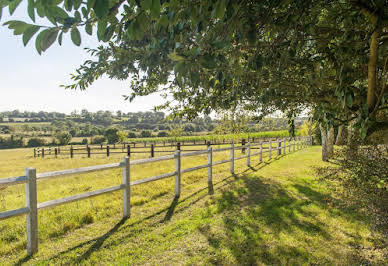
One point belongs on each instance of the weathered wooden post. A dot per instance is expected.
(232, 158)
(249, 155)
(101, 146)
(297, 144)
(59, 150)
(152, 150)
(210, 163)
(71, 152)
(279, 147)
(128, 151)
(114, 145)
(243, 146)
(177, 157)
(284, 146)
(56, 152)
(42, 152)
(261, 152)
(270, 150)
(293, 148)
(32, 215)
(34, 152)
(88, 150)
(127, 188)
(289, 145)
(107, 150)
(178, 146)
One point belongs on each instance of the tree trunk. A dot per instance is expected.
(330, 142)
(339, 139)
(325, 155)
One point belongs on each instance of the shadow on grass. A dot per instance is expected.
(251, 212)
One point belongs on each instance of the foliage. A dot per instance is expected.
(364, 178)
(97, 140)
(63, 137)
(145, 134)
(36, 142)
(112, 135)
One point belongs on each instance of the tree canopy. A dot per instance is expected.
(326, 55)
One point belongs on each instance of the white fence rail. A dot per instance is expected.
(30, 178)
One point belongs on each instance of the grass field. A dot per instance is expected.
(275, 212)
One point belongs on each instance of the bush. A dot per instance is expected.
(363, 174)
(162, 134)
(84, 141)
(131, 135)
(36, 142)
(63, 137)
(97, 140)
(112, 135)
(145, 134)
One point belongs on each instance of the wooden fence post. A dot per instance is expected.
(59, 150)
(34, 152)
(107, 150)
(297, 144)
(32, 215)
(152, 150)
(178, 146)
(261, 152)
(210, 162)
(177, 157)
(232, 158)
(243, 144)
(71, 152)
(249, 155)
(284, 146)
(270, 150)
(88, 150)
(128, 151)
(101, 146)
(289, 145)
(127, 188)
(56, 152)
(279, 147)
(42, 152)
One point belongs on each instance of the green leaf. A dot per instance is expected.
(48, 38)
(38, 43)
(220, 9)
(27, 35)
(175, 57)
(101, 8)
(13, 5)
(101, 27)
(89, 28)
(163, 21)
(349, 99)
(146, 4)
(31, 10)
(91, 4)
(75, 36)
(363, 133)
(155, 9)
(60, 38)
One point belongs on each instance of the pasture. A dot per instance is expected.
(275, 212)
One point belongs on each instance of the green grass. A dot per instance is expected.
(276, 212)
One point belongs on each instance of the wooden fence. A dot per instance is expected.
(136, 148)
(31, 177)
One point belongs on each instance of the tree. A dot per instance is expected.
(326, 55)
(145, 134)
(112, 135)
(63, 137)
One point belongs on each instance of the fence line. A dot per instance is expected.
(130, 148)
(31, 177)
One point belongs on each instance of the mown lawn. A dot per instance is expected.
(276, 212)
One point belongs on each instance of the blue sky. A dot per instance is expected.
(29, 81)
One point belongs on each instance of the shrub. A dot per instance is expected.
(162, 134)
(131, 135)
(84, 141)
(97, 140)
(36, 142)
(63, 137)
(145, 134)
(112, 135)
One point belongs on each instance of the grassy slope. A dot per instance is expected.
(273, 213)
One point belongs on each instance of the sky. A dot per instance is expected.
(31, 82)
